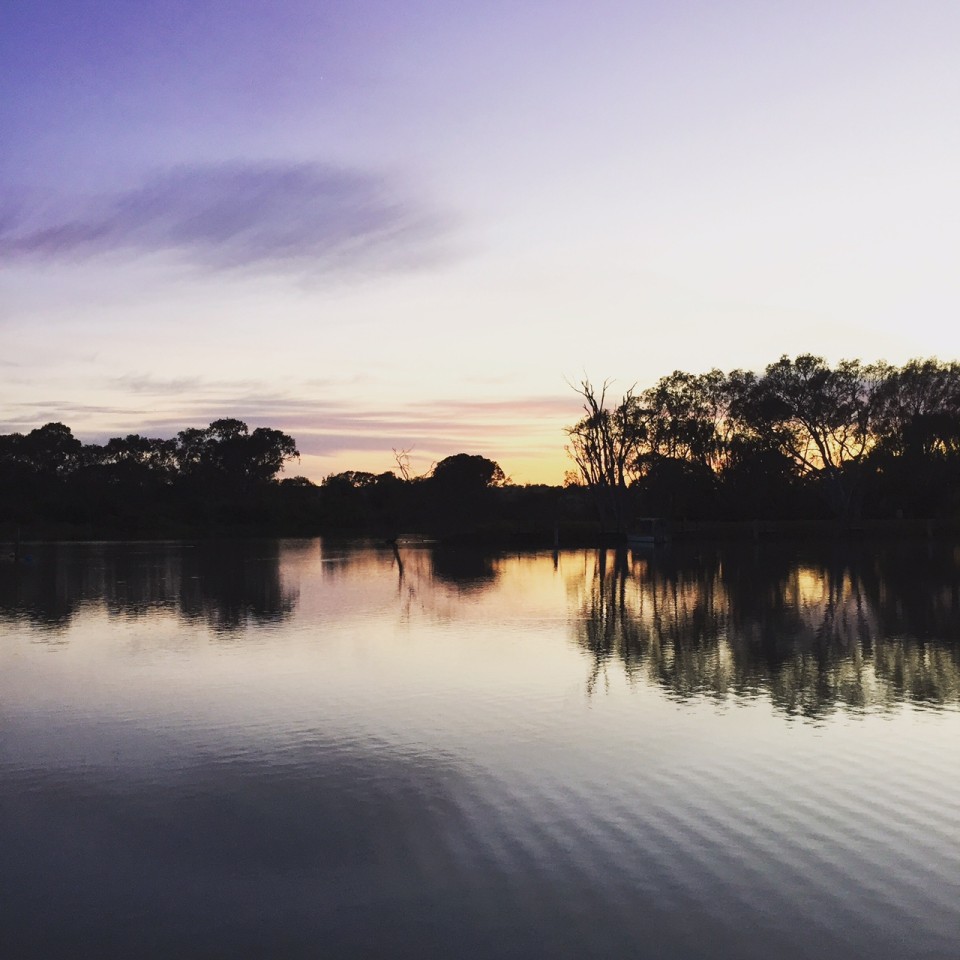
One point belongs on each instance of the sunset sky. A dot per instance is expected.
(383, 225)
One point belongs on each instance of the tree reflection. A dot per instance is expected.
(233, 584)
(37, 593)
(468, 569)
(858, 629)
(227, 585)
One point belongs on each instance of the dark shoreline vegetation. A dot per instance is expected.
(802, 449)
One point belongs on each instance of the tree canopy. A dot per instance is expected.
(857, 436)
(467, 473)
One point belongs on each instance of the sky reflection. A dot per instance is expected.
(709, 754)
(857, 628)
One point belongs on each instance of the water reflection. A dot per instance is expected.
(227, 585)
(466, 568)
(855, 628)
(470, 570)
(392, 754)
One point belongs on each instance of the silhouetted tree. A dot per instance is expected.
(465, 473)
(741, 445)
(606, 446)
(350, 480)
(50, 450)
(136, 457)
(689, 418)
(821, 418)
(227, 454)
(916, 459)
(677, 488)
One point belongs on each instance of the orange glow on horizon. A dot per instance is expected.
(533, 467)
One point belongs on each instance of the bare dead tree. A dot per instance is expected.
(402, 458)
(605, 444)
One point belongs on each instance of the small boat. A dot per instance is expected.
(647, 530)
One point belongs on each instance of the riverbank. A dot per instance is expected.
(497, 535)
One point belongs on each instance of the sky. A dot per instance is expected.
(387, 226)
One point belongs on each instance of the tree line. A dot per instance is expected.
(224, 478)
(222, 473)
(801, 440)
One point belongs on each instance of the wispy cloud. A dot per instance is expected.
(275, 217)
(182, 387)
(157, 386)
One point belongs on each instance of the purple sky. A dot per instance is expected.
(407, 225)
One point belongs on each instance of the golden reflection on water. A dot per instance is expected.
(811, 637)
(859, 628)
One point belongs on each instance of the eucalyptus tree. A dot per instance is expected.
(822, 418)
(466, 473)
(916, 459)
(918, 409)
(460, 495)
(226, 453)
(689, 417)
(49, 451)
(137, 454)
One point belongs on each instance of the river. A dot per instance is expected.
(315, 749)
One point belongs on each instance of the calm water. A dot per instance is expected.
(304, 749)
